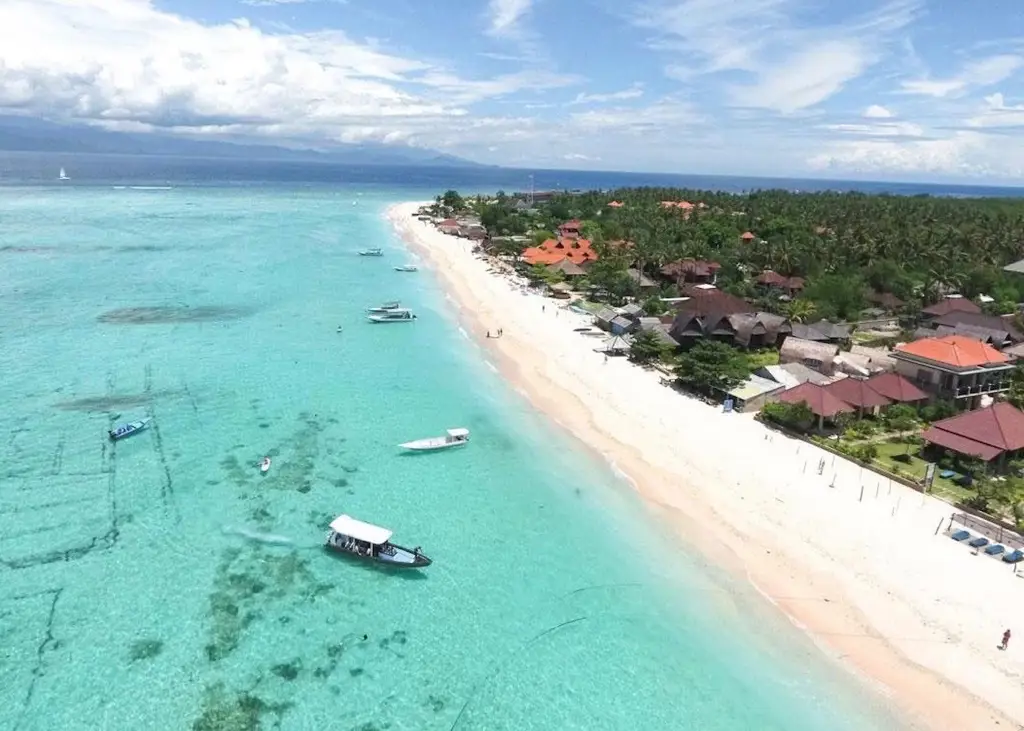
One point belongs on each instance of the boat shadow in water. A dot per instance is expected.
(373, 567)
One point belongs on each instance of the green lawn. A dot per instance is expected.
(941, 486)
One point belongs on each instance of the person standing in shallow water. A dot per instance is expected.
(1006, 640)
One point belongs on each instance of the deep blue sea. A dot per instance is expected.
(137, 589)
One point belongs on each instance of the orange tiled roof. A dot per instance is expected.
(616, 204)
(747, 236)
(954, 350)
(552, 251)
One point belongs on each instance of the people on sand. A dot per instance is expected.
(1006, 640)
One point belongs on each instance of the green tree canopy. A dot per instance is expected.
(711, 366)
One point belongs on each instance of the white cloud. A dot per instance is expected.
(506, 16)
(125, 64)
(879, 129)
(979, 73)
(969, 154)
(271, 3)
(997, 113)
(876, 111)
(795, 64)
(634, 92)
(575, 156)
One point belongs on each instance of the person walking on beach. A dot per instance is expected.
(1006, 640)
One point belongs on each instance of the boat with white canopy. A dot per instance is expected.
(385, 307)
(399, 315)
(126, 430)
(372, 252)
(452, 438)
(407, 268)
(372, 543)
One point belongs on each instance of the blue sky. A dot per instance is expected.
(897, 89)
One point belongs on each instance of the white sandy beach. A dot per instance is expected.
(867, 575)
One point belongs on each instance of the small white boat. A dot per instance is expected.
(372, 252)
(372, 543)
(126, 430)
(386, 307)
(400, 315)
(407, 268)
(452, 438)
(63, 175)
(265, 465)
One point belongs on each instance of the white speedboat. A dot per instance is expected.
(407, 268)
(126, 430)
(399, 315)
(372, 252)
(386, 307)
(265, 465)
(452, 438)
(371, 543)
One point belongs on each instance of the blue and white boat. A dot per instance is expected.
(371, 252)
(126, 430)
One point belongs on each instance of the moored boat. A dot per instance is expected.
(386, 307)
(407, 268)
(126, 430)
(265, 465)
(371, 252)
(371, 543)
(401, 315)
(452, 438)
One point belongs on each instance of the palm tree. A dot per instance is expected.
(800, 310)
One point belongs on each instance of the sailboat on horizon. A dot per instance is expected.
(63, 175)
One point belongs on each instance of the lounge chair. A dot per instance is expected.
(961, 535)
(995, 549)
(978, 542)
(1014, 556)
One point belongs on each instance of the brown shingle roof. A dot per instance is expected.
(712, 301)
(822, 403)
(985, 433)
(896, 388)
(951, 304)
(694, 267)
(857, 392)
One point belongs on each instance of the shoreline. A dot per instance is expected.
(911, 612)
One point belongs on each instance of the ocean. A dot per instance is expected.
(161, 582)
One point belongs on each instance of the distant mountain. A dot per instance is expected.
(24, 134)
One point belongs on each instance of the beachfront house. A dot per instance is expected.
(552, 251)
(753, 393)
(897, 389)
(825, 406)
(823, 331)
(1000, 332)
(858, 393)
(955, 368)
(991, 434)
(820, 357)
(791, 375)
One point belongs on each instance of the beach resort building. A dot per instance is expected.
(576, 250)
(897, 389)
(791, 375)
(822, 403)
(823, 331)
(753, 393)
(773, 281)
(569, 229)
(858, 393)
(955, 368)
(820, 357)
(992, 433)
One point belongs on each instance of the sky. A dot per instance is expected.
(891, 89)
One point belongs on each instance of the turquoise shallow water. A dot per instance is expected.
(127, 601)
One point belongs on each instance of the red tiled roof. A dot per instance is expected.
(822, 403)
(449, 222)
(985, 433)
(552, 251)
(954, 350)
(747, 236)
(616, 204)
(857, 392)
(951, 304)
(896, 388)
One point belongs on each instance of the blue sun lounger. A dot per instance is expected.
(961, 535)
(978, 542)
(995, 549)
(1014, 556)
